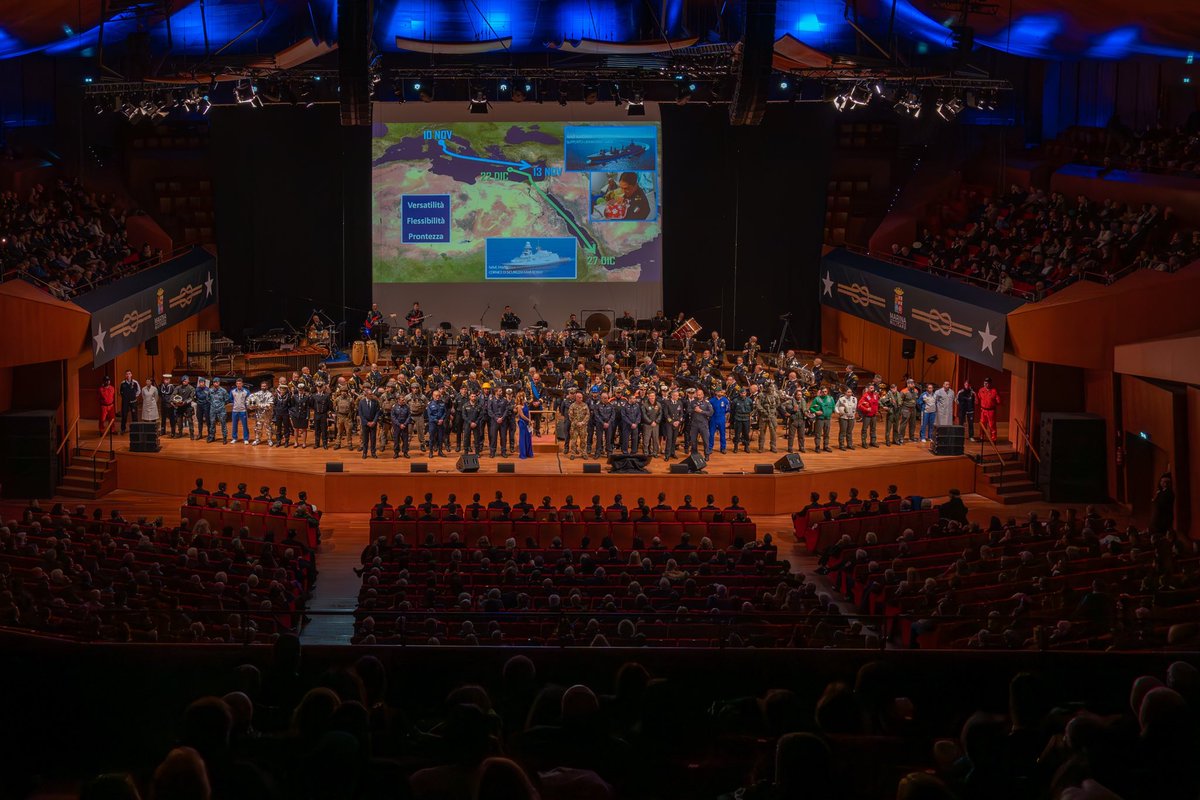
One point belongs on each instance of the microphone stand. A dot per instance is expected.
(484, 314)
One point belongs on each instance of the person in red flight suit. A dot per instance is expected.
(108, 396)
(868, 409)
(989, 400)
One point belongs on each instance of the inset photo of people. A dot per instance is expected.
(623, 196)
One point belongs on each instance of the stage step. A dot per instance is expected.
(1014, 484)
(1021, 497)
(82, 481)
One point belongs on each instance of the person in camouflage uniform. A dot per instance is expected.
(767, 405)
(262, 401)
(889, 403)
(742, 410)
(417, 403)
(387, 400)
(343, 409)
(910, 417)
(579, 414)
(796, 411)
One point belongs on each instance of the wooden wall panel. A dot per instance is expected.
(877, 348)
(355, 492)
(172, 349)
(1148, 408)
(1191, 492)
(1098, 399)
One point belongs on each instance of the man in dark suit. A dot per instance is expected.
(368, 416)
(499, 504)
(378, 509)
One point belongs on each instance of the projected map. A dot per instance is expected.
(545, 201)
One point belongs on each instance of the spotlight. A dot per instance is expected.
(205, 105)
(246, 93)
(424, 90)
(909, 103)
(684, 92)
(859, 95)
(950, 109)
(784, 84)
(479, 102)
(841, 101)
(503, 86)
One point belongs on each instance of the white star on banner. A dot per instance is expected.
(98, 338)
(208, 285)
(988, 338)
(828, 283)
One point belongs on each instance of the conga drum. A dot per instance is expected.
(356, 352)
(372, 351)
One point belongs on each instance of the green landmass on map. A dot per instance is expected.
(516, 205)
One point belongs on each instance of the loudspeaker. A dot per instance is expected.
(467, 462)
(789, 463)
(1073, 458)
(354, 61)
(908, 348)
(333, 466)
(948, 440)
(152, 346)
(591, 469)
(764, 469)
(505, 466)
(694, 463)
(678, 469)
(143, 437)
(28, 464)
(421, 466)
(752, 70)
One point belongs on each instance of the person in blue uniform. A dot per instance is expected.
(700, 411)
(435, 417)
(716, 423)
(630, 414)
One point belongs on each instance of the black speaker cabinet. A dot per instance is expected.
(694, 463)
(789, 463)
(421, 466)
(467, 462)
(506, 466)
(143, 437)
(28, 464)
(333, 466)
(591, 468)
(948, 440)
(678, 469)
(908, 348)
(1074, 454)
(152, 346)
(764, 469)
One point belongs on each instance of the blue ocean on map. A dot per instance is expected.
(610, 147)
(524, 258)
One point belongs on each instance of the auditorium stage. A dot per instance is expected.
(174, 469)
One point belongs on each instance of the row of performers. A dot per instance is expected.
(414, 322)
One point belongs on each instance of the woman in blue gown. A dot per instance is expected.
(524, 431)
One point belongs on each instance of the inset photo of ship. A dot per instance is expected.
(587, 148)
(526, 258)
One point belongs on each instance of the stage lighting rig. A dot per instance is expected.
(909, 102)
(949, 109)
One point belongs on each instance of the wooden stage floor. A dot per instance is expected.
(175, 467)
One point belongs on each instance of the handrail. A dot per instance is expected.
(1028, 443)
(987, 437)
(67, 436)
(106, 432)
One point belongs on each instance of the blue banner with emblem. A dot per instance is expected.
(134, 309)
(961, 318)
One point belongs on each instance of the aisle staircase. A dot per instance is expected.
(1002, 477)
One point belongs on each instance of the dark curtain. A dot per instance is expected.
(744, 212)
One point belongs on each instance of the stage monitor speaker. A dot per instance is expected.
(152, 346)
(752, 65)
(764, 469)
(908, 348)
(421, 466)
(591, 469)
(678, 469)
(694, 463)
(143, 437)
(333, 466)
(1073, 458)
(467, 462)
(948, 440)
(789, 463)
(354, 61)
(506, 466)
(622, 463)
